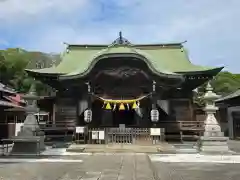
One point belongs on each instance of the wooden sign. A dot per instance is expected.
(101, 135)
(155, 131)
(95, 134)
(80, 130)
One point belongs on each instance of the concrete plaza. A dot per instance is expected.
(124, 166)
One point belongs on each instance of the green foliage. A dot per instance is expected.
(224, 83)
(12, 65)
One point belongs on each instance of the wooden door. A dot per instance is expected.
(236, 124)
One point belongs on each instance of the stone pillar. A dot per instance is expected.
(213, 140)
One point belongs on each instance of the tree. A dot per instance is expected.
(226, 82)
(12, 68)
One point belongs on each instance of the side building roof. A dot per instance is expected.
(232, 95)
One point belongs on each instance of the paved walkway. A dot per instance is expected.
(127, 166)
(234, 145)
(122, 166)
(197, 171)
(93, 167)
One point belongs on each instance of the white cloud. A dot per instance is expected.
(32, 7)
(45, 24)
(25, 11)
(54, 21)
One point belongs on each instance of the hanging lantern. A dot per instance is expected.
(88, 115)
(108, 106)
(134, 106)
(121, 107)
(154, 115)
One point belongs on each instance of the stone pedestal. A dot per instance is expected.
(214, 143)
(213, 139)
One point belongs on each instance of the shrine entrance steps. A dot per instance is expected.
(122, 148)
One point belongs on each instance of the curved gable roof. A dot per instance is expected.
(168, 59)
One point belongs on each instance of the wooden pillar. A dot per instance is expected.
(54, 113)
(193, 117)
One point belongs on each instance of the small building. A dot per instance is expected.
(9, 99)
(229, 114)
(122, 82)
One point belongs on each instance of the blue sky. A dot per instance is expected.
(211, 27)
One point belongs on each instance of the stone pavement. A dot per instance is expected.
(196, 167)
(234, 145)
(122, 166)
(197, 171)
(93, 167)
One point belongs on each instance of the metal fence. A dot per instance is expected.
(140, 136)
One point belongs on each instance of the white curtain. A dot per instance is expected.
(139, 112)
(18, 128)
(83, 105)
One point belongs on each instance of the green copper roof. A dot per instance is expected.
(168, 59)
(232, 95)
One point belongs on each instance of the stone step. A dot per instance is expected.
(214, 149)
(187, 151)
(214, 143)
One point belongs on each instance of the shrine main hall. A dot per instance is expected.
(125, 84)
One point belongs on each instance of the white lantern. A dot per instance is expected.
(154, 115)
(88, 116)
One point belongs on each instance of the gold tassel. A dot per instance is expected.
(121, 107)
(134, 106)
(108, 106)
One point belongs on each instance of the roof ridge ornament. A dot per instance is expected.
(120, 41)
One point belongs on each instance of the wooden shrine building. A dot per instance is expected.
(121, 83)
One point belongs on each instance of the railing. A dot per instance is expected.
(191, 125)
(184, 125)
(183, 130)
(58, 132)
(140, 136)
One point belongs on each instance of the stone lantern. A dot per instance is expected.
(213, 139)
(30, 139)
(211, 124)
(31, 99)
